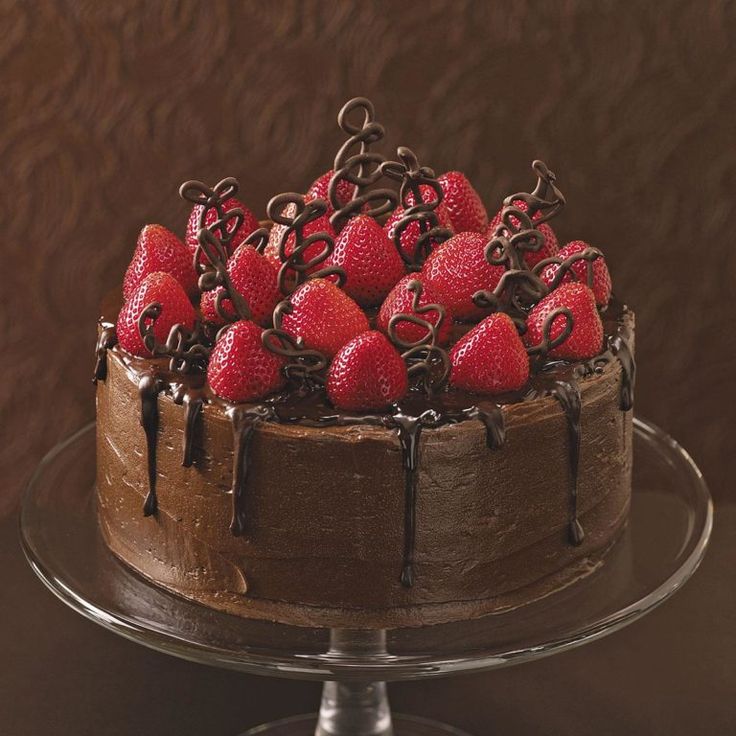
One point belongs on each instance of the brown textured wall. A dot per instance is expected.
(106, 107)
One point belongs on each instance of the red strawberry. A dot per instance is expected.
(250, 223)
(549, 248)
(400, 300)
(370, 261)
(456, 270)
(579, 272)
(321, 224)
(241, 368)
(158, 249)
(320, 187)
(255, 278)
(586, 338)
(463, 203)
(324, 316)
(411, 234)
(490, 359)
(175, 309)
(367, 373)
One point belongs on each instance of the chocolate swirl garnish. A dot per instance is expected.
(546, 198)
(516, 234)
(516, 290)
(183, 347)
(210, 256)
(304, 365)
(361, 168)
(539, 352)
(214, 198)
(413, 177)
(423, 356)
(589, 255)
(295, 269)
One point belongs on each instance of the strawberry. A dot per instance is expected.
(324, 316)
(456, 270)
(321, 224)
(255, 278)
(158, 249)
(586, 338)
(175, 309)
(320, 188)
(579, 272)
(400, 300)
(250, 223)
(241, 368)
(463, 203)
(490, 359)
(411, 234)
(549, 248)
(370, 261)
(367, 373)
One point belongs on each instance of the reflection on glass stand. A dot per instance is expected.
(665, 540)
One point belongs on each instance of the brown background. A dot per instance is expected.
(106, 107)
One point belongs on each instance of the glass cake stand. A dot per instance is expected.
(665, 540)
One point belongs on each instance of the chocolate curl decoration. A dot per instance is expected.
(516, 234)
(515, 292)
(424, 356)
(589, 255)
(211, 242)
(294, 269)
(214, 273)
(360, 168)
(199, 193)
(546, 197)
(412, 177)
(539, 353)
(303, 365)
(183, 346)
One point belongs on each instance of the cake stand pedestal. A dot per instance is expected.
(662, 545)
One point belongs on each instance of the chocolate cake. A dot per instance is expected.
(376, 409)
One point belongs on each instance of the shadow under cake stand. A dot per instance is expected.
(662, 545)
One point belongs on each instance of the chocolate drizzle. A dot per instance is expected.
(106, 339)
(567, 393)
(409, 431)
(620, 347)
(362, 169)
(492, 418)
(149, 387)
(244, 421)
(192, 409)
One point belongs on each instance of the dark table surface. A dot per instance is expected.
(673, 672)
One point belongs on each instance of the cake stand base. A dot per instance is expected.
(402, 726)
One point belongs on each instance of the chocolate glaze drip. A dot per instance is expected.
(244, 422)
(149, 387)
(619, 345)
(410, 430)
(568, 394)
(492, 418)
(106, 339)
(192, 408)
